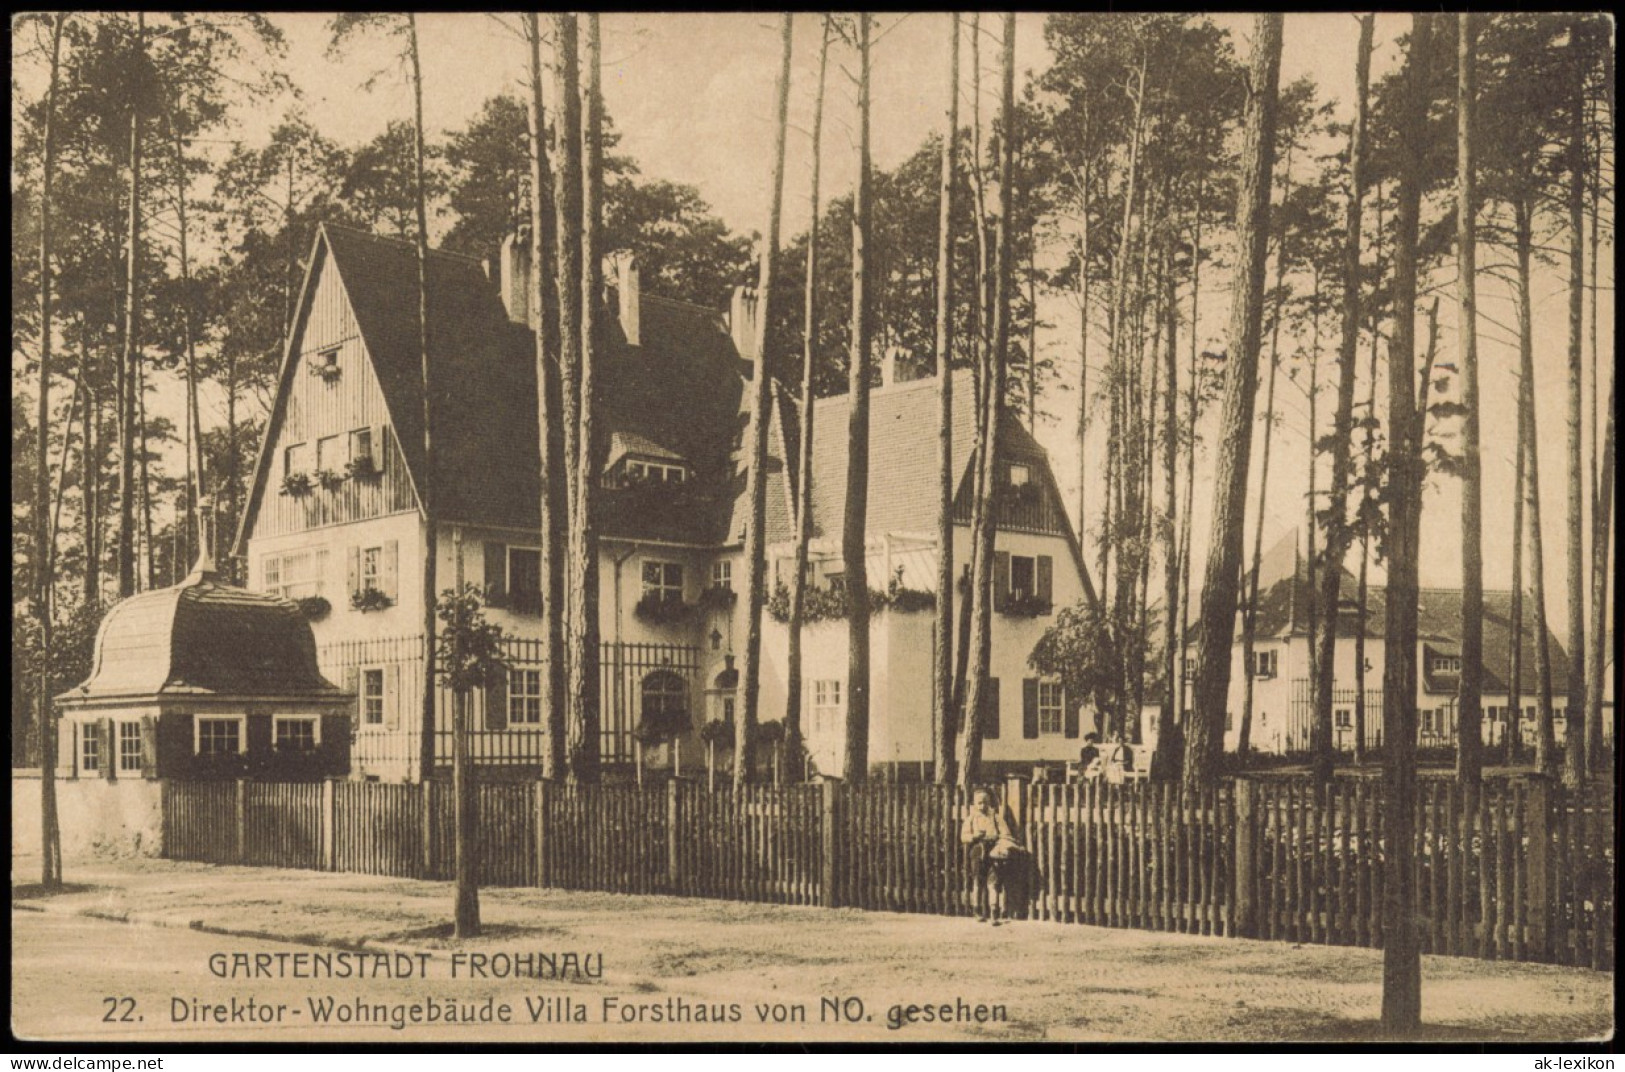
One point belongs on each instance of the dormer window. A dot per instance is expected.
(1446, 664)
(1020, 475)
(330, 358)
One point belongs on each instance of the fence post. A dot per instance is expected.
(1537, 821)
(832, 866)
(1246, 869)
(1015, 803)
(329, 839)
(541, 832)
(427, 830)
(674, 869)
(242, 820)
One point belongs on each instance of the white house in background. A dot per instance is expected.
(1280, 670)
(335, 519)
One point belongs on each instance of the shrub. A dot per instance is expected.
(718, 597)
(718, 732)
(314, 607)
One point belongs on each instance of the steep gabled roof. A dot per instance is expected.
(678, 389)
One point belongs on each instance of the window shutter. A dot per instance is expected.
(352, 570)
(352, 685)
(109, 752)
(496, 561)
(67, 744)
(1046, 577)
(149, 747)
(1069, 715)
(320, 565)
(392, 696)
(496, 702)
(990, 711)
(1029, 707)
(386, 572)
(1001, 579)
(379, 453)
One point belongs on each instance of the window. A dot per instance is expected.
(525, 579)
(330, 358)
(1447, 664)
(371, 563)
(663, 581)
(1265, 663)
(129, 747)
(90, 749)
(836, 581)
(1023, 576)
(826, 708)
(722, 573)
(372, 697)
(219, 736)
(1343, 718)
(1051, 706)
(330, 453)
(295, 734)
(361, 447)
(296, 574)
(524, 697)
(665, 699)
(1020, 475)
(655, 473)
(295, 458)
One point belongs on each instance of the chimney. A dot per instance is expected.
(891, 366)
(629, 292)
(742, 321)
(513, 279)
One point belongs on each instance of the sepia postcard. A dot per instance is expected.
(798, 528)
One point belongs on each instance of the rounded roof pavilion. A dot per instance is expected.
(206, 639)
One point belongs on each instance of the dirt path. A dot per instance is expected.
(1055, 982)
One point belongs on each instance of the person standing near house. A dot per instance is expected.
(1089, 756)
(983, 828)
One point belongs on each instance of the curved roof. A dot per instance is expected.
(207, 639)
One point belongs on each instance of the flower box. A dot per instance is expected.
(370, 599)
(297, 485)
(329, 479)
(652, 610)
(363, 469)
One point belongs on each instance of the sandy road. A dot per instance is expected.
(1055, 982)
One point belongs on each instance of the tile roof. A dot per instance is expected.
(903, 452)
(675, 391)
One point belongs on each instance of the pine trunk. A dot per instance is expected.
(584, 685)
(793, 734)
(1469, 714)
(548, 418)
(1402, 966)
(1547, 759)
(943, 722)
(855, 528)
(1204, 739)
(1574, 765)
(568, 235)
(1339, 535)
(1249, 618)
(985, 523)
(426, 489)
(131, 356)
(50, 832)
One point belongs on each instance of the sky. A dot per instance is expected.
(692, 96)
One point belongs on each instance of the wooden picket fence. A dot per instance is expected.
(1518, 870)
